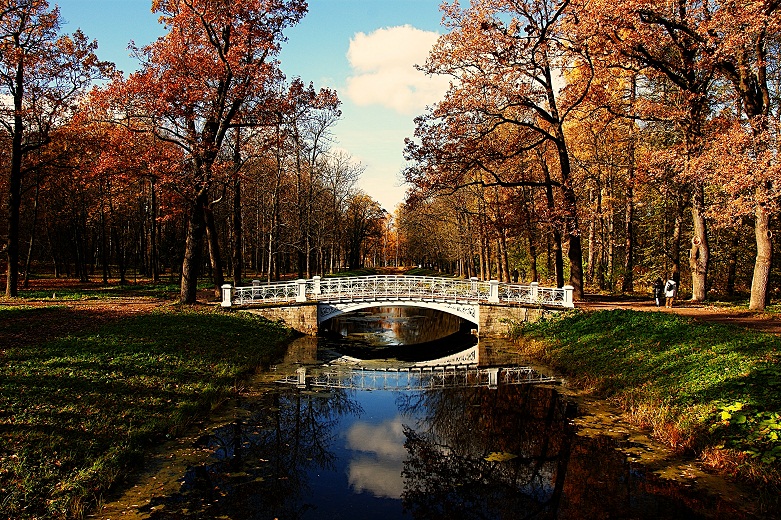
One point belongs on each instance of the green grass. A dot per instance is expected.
(422, 271)
(98, 292)
(699, 386)
(355, 272)
(78, 412)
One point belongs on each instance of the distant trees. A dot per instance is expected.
(42, 75)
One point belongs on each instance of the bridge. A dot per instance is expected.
(414, 378)
(304, 304)
(458, 370)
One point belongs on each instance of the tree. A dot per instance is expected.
(507, 58)
(660, 41)
(363, 221)
(739, 35)
(210, 73)
(42, 74)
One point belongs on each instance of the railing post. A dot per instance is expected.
(493, 294)
(493, 377)
(301, 291)
(227, 295)
(535, 292)
(569, 300)
(316, 285)
(301, 381)
(473, 285)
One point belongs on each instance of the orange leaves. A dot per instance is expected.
(214, 64)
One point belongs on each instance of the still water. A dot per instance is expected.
(355, 426)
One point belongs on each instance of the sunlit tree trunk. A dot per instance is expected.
(628, 284)
(759, 282)
(699, 253)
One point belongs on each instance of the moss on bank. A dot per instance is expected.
(709, 389)
(78, 412)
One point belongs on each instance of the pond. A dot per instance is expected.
(352, 426)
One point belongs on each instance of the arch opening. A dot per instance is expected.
(402, 332)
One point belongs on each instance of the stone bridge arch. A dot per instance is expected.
(465, 311)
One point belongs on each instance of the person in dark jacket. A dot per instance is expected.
(658, 289)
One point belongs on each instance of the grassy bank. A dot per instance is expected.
(708, 389)
(77, 412)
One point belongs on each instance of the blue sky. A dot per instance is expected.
(364, 49)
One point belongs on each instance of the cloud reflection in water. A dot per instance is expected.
(377, 467)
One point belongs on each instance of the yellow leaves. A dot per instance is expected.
(500, 456)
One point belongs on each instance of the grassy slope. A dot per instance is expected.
(711, 389)
(78, 411)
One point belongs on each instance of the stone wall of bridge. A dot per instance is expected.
(302, 318)
(495, 320)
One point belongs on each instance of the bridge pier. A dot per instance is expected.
(299, 317)
(496, 320)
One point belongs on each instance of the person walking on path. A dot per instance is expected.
(658, 289)
(670, 290)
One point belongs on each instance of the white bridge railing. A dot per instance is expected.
(396, 288)
(414, 378)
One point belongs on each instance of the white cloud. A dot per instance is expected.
(385, 440)
(378, 465)
(384, 62)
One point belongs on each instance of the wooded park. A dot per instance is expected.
(588, 142)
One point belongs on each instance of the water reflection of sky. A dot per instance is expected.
(378, 459)
(370, 455)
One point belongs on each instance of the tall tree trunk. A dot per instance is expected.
(238, 238)
(628, 284)
(505, 255)
(104, 246)
(569, 201)
(153, 255)
(14, 203)
(215, 257)
(28, 261)
(699, 252)
(732, 267)
(120, 254)
(675, 242)
(557, 235)
(191, 263)
(592, 242)
(763, 262)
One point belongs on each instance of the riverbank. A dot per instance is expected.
(87, 389)
(701, 388)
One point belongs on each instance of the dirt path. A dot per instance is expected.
(758, 321)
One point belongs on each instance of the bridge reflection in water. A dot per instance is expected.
(414, 378)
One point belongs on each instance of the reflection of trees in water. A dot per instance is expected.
(262, 461)
(461, 466)
(489, 453)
